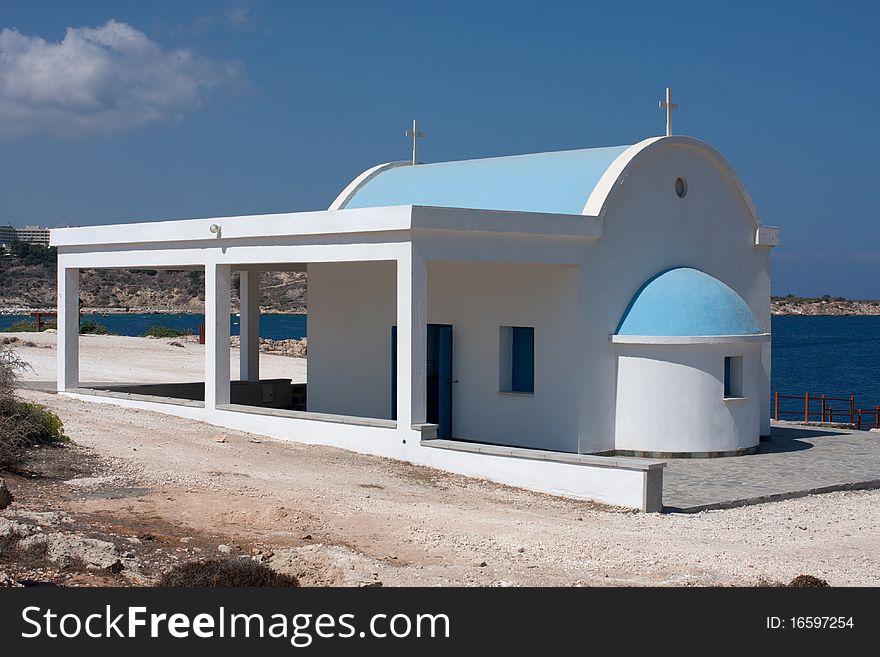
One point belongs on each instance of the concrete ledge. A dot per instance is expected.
(174, 401)
(314, 417)
(617, 462)
(632, 483)
(428, 430)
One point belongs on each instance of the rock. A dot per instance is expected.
(11, 532)
(224, 549)
(45, 518)
(326, 565)
(67, 550)
(34, 545)
(5, 496)
(219, 438)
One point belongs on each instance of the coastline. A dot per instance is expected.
(778, 308)
(825, 307)
(88, 310)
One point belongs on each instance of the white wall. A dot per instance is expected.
(648, 229)
(670, 398)
(351, 311)
(479, 298)
(351, 308)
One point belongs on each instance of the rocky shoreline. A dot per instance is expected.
(824, 307)
(291, 347)
(778, 306)
(87, 310)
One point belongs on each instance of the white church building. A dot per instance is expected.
(559, 321)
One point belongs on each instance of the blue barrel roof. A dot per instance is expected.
(687, 302)
(559, 182)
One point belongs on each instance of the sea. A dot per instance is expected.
(835, 356)
(272, 327)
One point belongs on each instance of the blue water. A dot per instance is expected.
(837, 356)
(273, 327)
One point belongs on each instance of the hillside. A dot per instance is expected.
(826, 305)
(25, 287)
(29, 284)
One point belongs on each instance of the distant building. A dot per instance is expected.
(30, 234)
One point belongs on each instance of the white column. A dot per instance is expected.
(766, 392)
(766, 325)
(68, 327)
(217, 283)
(412, 338)
(249, 304)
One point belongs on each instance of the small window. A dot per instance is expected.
(517, 359)
(681, 187)
(733, 376)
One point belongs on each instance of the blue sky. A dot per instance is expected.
(242, 107)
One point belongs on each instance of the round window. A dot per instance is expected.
(681, 187)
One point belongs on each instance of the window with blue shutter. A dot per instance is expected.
(517, 359)
(727, 390)
(733, 377)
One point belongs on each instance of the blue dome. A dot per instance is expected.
(687, 302)
(559, 182)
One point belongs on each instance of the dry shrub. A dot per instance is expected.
(22, 424)
(225, 572)
(801, 581)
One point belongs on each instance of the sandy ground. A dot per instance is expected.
(116, 358)
(336, 517)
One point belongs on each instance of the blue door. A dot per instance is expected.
(444, 383)
(438, 381)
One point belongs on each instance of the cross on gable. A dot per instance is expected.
(668, 105)
(416, 135)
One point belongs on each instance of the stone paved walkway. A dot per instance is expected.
(797, 461)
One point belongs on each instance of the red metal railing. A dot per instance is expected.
(818, 408)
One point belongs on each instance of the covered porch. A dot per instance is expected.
(379, 280)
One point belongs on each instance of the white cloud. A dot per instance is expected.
(99, 80)
(240, 15)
